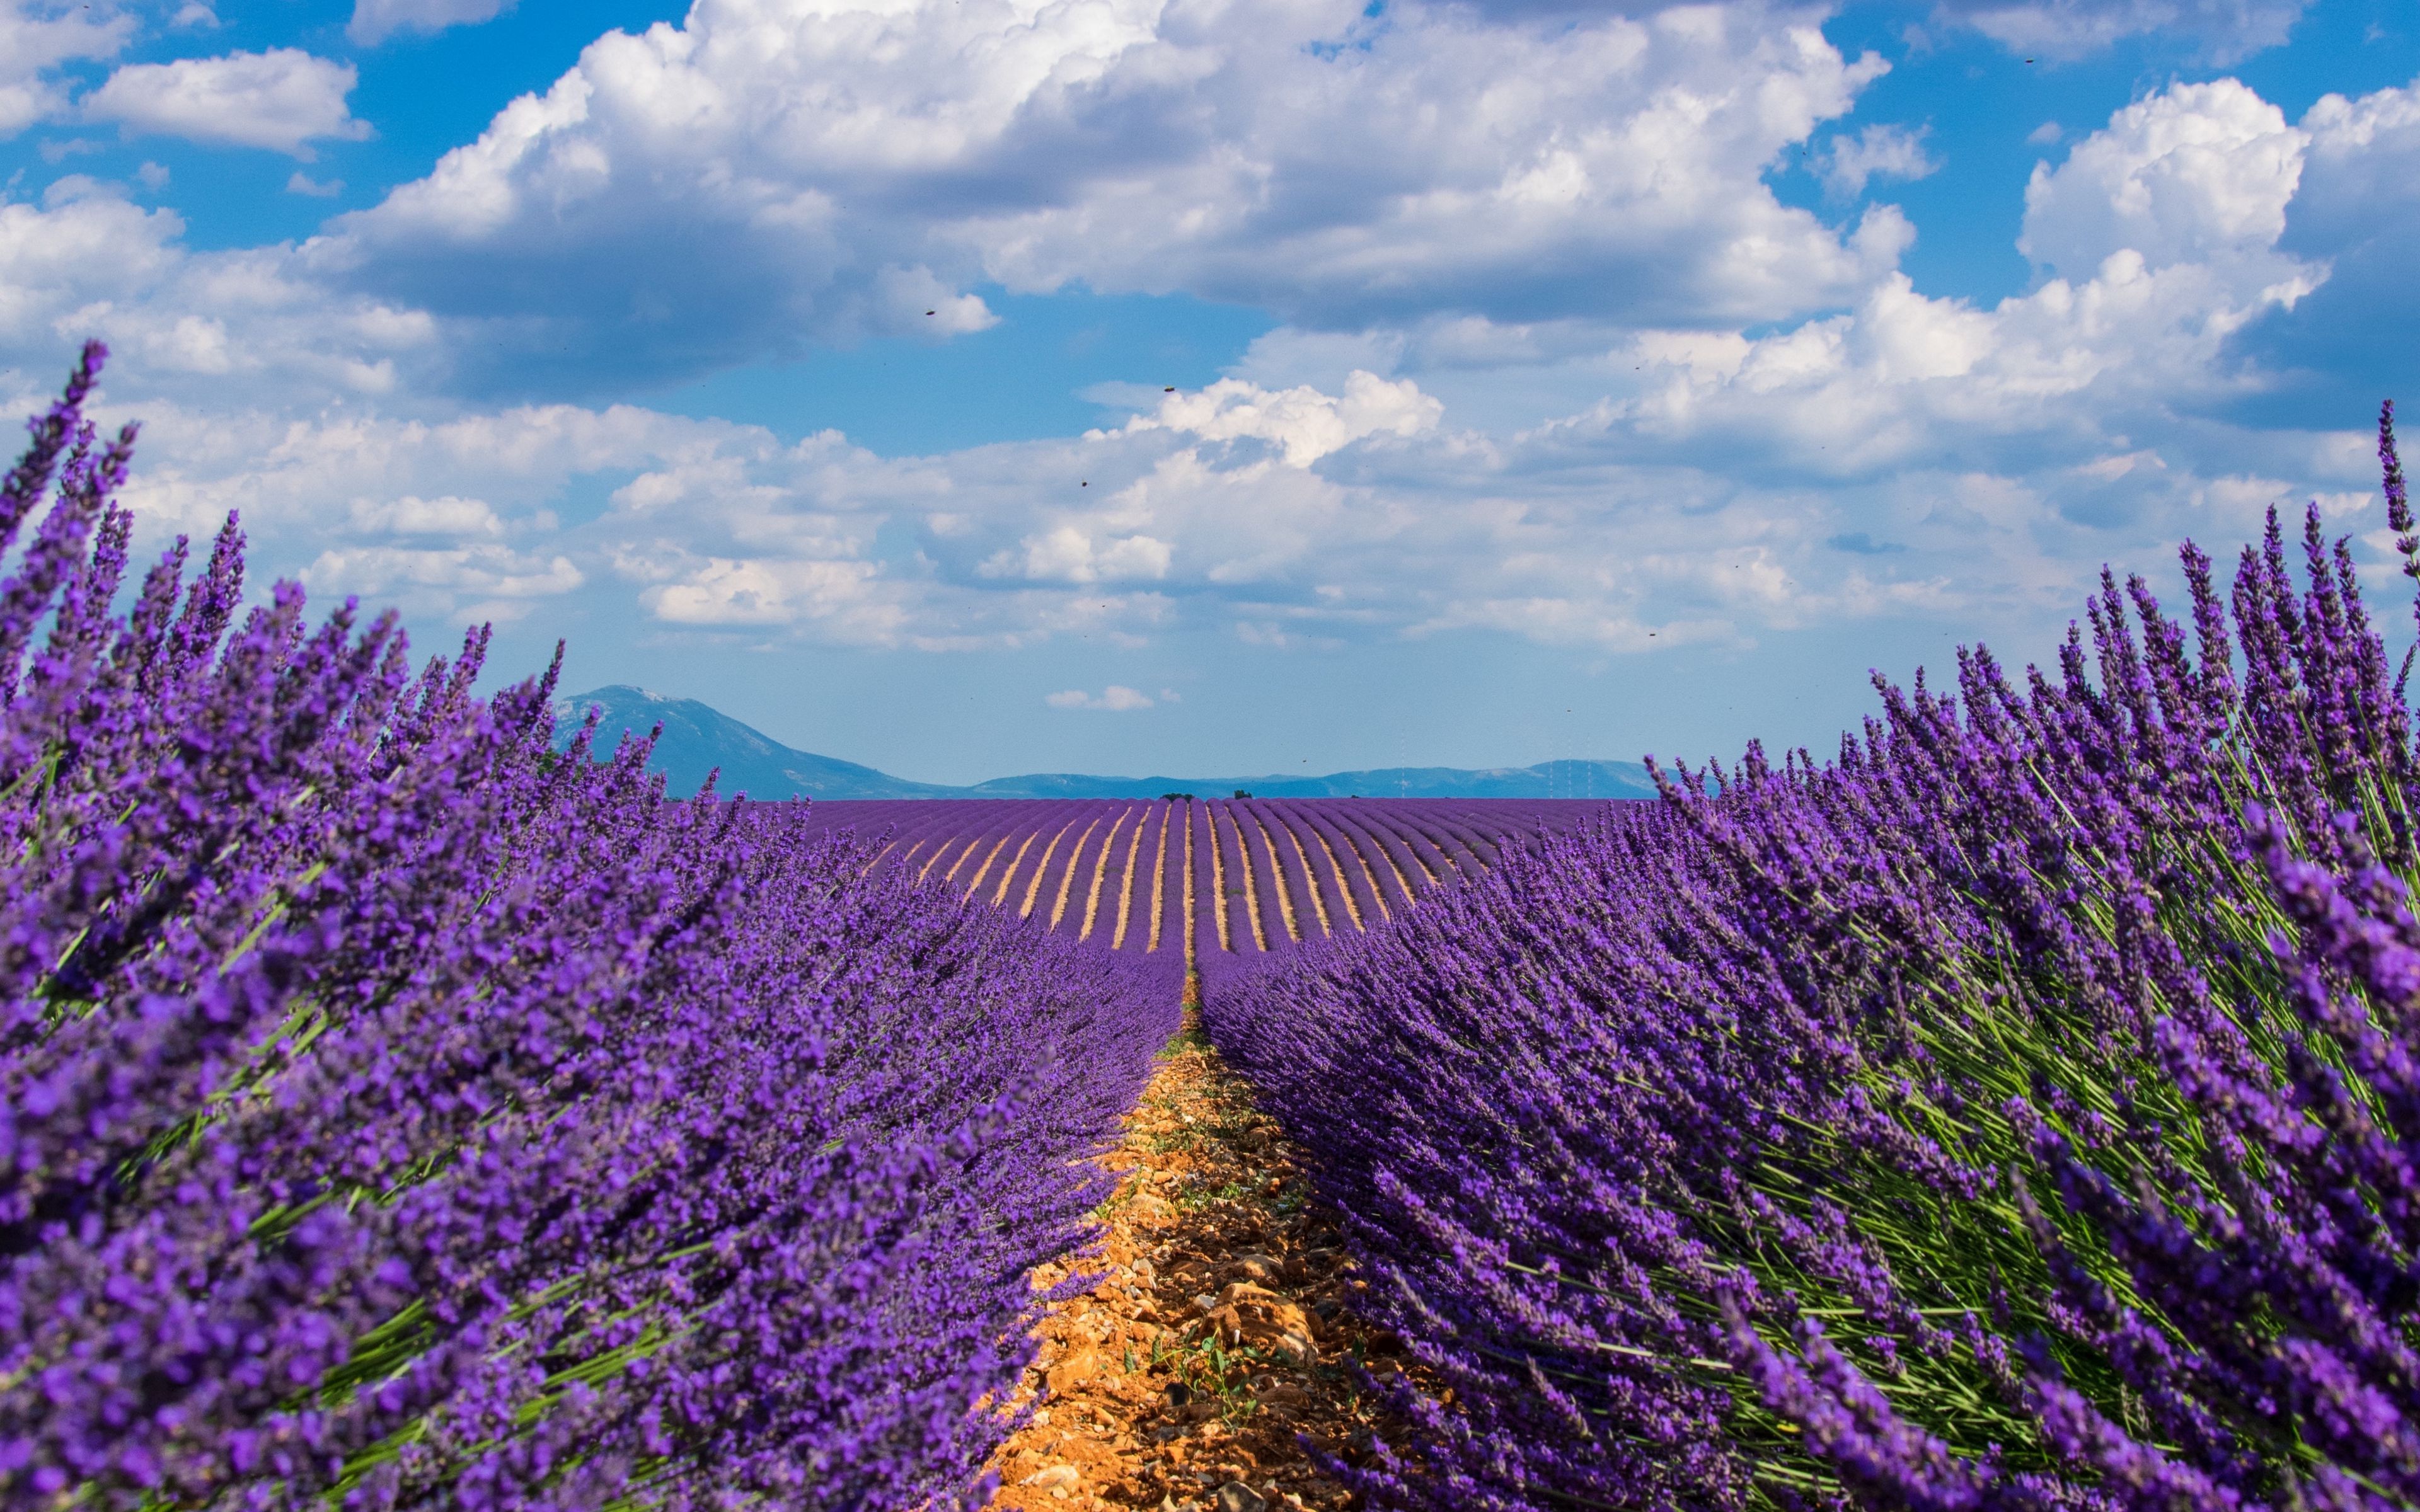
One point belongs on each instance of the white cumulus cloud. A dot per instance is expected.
(1072, 554)
(410, 514)
(486, 582)
(2193, 173)
(770, 176)
(721, 592)
(222, 330)
(1115, 696)
(284, 100)
(375, 20)
(2225, 31)
(35, 39)
(1877, 152)
(1303, 424)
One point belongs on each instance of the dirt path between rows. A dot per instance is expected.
(1219, 1333)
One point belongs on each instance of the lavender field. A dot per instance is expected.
(1227, 886)
(2018, 1108)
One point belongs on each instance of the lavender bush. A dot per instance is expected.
(396, 1113)
(2019, 1110)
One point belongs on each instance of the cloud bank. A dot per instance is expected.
(773, 176)
(1557, 363)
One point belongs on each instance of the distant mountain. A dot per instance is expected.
(1549, 780)
(699, 738)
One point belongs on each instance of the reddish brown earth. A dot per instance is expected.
(1218, 1332)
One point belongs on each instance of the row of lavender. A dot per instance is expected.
(396, 1113)
(1228, 884)
(2022, 1111)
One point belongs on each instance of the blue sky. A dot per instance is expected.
(971, 387)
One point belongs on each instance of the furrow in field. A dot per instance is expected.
(1409, 844)
(991, 825)
(1126, 877)
(1129, 1424)
(917, 836)
(1137, 904)
(941, 852)
(1310, 912)
(1489, 844)
(1151, 892)
(1395, 866)
(1276, 872)
(1117, 884)
(991, 858)
(1360, 883)
(1067, 872)
(904, 834)
(1101, 865)
(1041, 870)
(1438, 867)
(1185, 878)
(1453, 841)
(1347, 903)
(1239, 878)
(1389, 863)
(1053, 824)
(974, 845)
(1268, 911)
(1315, 881)
(1452, 835)
(999, 894)
(1221, 934)
(1344, 907)
(1135, 883)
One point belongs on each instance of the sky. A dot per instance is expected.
(975, 387)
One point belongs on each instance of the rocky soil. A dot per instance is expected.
(1220, 1329)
